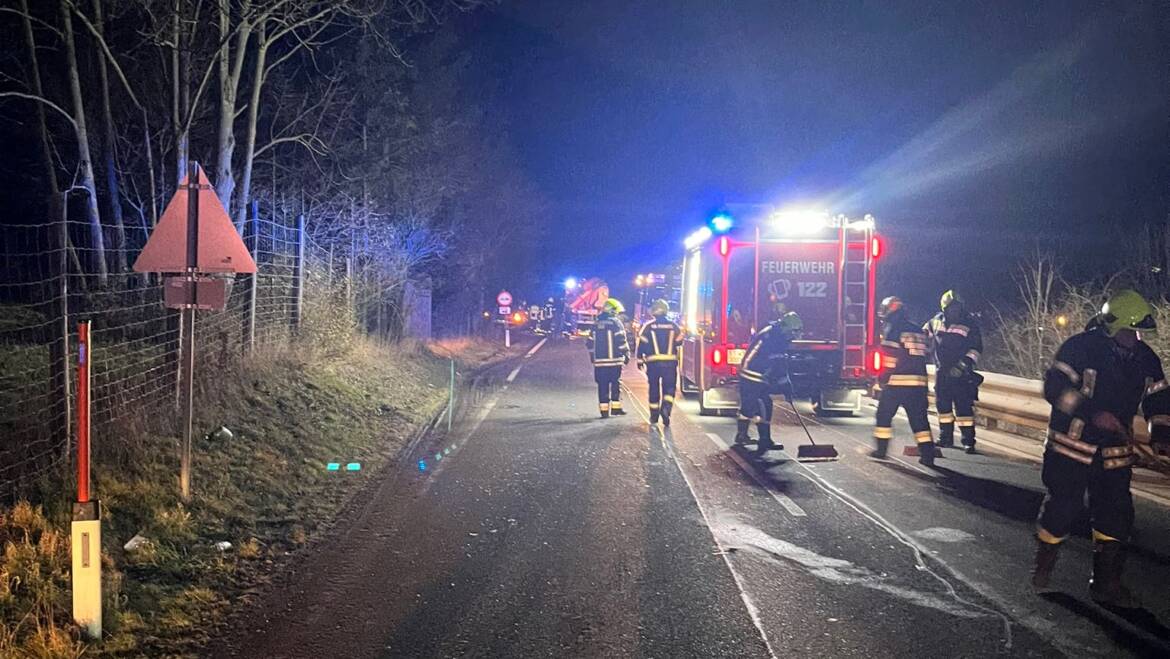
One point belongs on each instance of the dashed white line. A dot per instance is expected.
(535, 348)
(516, 371)
(781, 498)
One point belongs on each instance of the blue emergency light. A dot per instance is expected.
(721, 223)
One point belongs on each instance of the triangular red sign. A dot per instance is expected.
(220, 247)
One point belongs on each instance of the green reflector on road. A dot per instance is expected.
(438, 456)
(333, 466)
(353, 466)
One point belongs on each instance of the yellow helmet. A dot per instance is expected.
(614, 306)
(948, 298)
(659, 307)
(1127, 309)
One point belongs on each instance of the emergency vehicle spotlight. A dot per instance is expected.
(800, 221)
(698, 238)
(722, 223)
(866, 222)
(570, 283)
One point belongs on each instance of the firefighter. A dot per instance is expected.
(609, 350)
(1096, 384)
(548, 316)
(658, 344)
(762, 367)
(956, 343)
(903, 381)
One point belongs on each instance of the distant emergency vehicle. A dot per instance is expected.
(585, 302)
(739, 275)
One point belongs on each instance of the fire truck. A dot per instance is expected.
(738, 276)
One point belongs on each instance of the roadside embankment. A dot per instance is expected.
(260, 492)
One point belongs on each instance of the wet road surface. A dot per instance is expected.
(537, 529)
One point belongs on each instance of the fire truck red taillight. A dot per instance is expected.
(724, 246)
(875, 362)
(717, 356)
(875, 247)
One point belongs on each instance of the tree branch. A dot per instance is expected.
(44, 101)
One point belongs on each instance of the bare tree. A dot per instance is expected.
(109, 146)
(97, 243)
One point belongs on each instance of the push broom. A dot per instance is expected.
(812, 451)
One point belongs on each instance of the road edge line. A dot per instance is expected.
(753, 611)
(784, 500)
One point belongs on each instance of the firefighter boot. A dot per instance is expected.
(946, 434)
(654, 417)
(666, 409)
(1106, 587)
(926, 451)
(741, 431)
(880, 448)
(968, 439)
(765, 444)
(1046, 553)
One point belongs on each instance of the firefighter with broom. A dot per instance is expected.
(762, 367)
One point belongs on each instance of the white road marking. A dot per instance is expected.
(753, 611)
(789, 505)
(943, 534)
(516, 371)
(535, 348)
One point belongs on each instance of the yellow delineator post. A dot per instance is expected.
(87, 568)
(86, 537)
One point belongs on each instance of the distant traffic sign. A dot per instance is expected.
(504, 311)
(504, 299)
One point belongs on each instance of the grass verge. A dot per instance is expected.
(266, 490)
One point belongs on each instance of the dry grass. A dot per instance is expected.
(266, 491)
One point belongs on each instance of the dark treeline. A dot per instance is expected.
(356, 113)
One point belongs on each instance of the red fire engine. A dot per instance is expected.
(738, 276)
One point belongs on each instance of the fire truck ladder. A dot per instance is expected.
(855, 294)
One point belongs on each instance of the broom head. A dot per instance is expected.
(816, 452)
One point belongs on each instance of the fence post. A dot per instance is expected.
(349, 287)
(59, 344)
(451, 396)
(299, 275)
(253, 279)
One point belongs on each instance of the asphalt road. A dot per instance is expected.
(537, 529)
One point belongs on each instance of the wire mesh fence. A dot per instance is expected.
(45, 289)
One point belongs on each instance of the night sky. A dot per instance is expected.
(975, 132)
